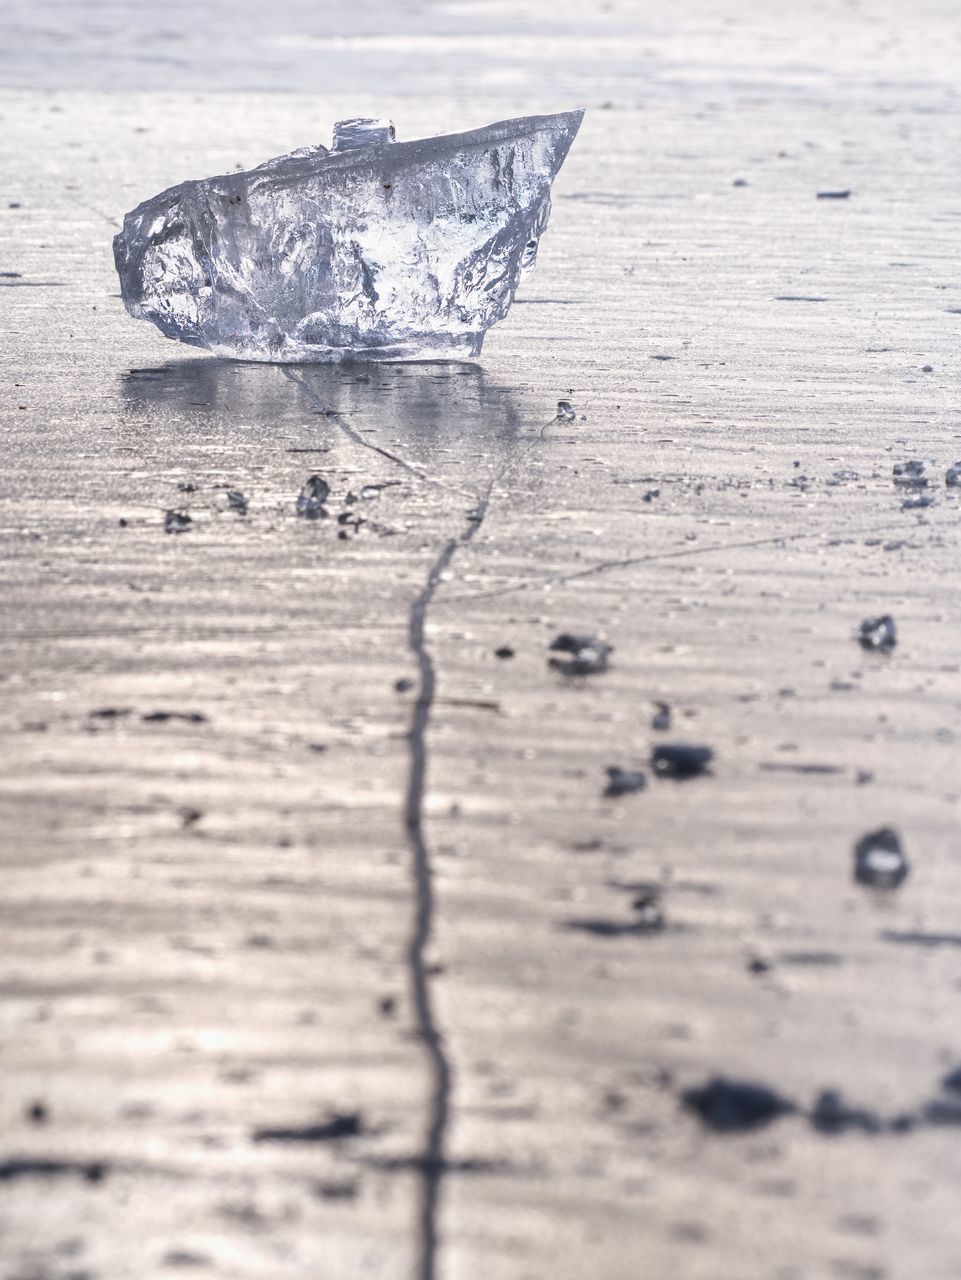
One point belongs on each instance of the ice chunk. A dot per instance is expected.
(879, 634)
(176, 522)
(311, 499)
(376, 250)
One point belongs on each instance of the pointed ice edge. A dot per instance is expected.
(386, 251)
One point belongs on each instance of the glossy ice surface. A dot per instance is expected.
(376, 250)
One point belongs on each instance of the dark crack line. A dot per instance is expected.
(100, 213)
(433, 1161)
(340, 421)
(349, 431)
(680, 553)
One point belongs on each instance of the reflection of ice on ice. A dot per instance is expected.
(377, 249)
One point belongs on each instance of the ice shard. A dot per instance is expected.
(374, 250)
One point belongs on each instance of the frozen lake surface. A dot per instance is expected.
(331, 947)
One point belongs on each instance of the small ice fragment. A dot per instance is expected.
(910, 475)
(176, 522)
(364, 131)
(879, 860)
(879, 634)
(237, 501)
(565, 411)
(680, 761)
(378, 250)
(589, 656)
(622, 782)
(310, 502)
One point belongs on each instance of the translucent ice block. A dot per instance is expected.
(374, 250)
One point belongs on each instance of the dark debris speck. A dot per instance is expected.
(40, 1167)
(345, 1124)
(680, 761)
(942, 1112)
(622, 782)
(163, 717)
(661, 719)
(832, 1115)
(735, 1106)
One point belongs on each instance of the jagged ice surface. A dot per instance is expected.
(374, 250)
